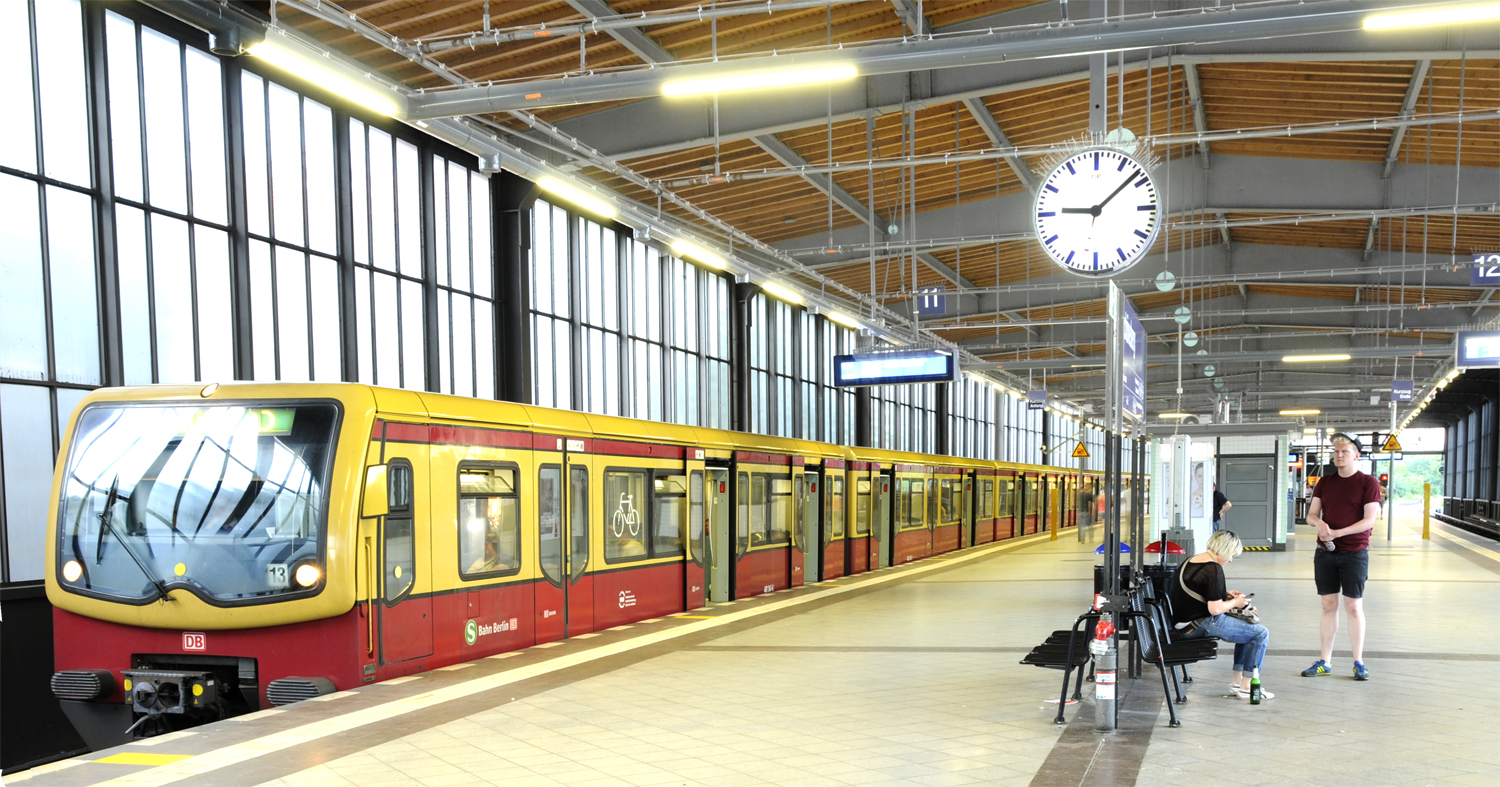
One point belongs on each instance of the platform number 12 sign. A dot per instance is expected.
(1486, 271)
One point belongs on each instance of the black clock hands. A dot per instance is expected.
(1095, 210)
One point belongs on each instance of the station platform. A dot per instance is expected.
(905, 676)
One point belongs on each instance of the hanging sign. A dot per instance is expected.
(1485, 271)
(1391, 444)
(1036, 400)
(908, 366)
(1080, 452)
(1478, 349)
(1402, 390)
(932, 301)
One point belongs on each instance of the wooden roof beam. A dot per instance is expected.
(997, 137)
(1200, 120)
(783, 153)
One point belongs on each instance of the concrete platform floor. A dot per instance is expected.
(907, 676)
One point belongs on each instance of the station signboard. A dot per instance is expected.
(1478, 349)
(895, 368)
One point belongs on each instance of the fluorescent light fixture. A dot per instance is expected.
(577, 196)
(1448, 15)
(1315, 358)
(1173, 415)
(321, 72)
(757, 80)
(1303, 411)
(781, 293)
(849, 322)
(684, 248)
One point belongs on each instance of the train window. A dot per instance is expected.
(960, 500)
(489, 521)
(1031, 495)
(742, 492)
(578, 520)
(549, 521)
(695, 516)
(862, 507)
(758, 502)
(910, 500)
(670, 496)
(986, 499)
(398, 536)
(780, 503)
(624, 530)
(835, 491)
(950, 498)
(934, 501)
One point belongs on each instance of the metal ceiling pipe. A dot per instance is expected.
(606, 24)
(1371, 124)
(1208, 26)
(1437, 351)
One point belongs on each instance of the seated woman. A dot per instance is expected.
(1200, 602)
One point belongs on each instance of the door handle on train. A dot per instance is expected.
(369, 598)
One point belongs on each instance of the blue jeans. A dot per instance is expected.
(1249, 639)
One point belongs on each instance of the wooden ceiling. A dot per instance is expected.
(1235, 95)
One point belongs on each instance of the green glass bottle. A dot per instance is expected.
(1255, 687)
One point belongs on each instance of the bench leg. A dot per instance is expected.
(1062, 699)
(1078, 687)
(1186, 678)
(1181, 699)
(1171, 709)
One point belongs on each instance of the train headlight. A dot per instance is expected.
(308, 575)
(72, 570)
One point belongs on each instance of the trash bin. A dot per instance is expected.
(1182, 537)
(1099, 577)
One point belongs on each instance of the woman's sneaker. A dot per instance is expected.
(1319, 667)
(1360, 673)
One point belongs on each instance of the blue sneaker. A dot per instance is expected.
(1319, 667)
(1360, 673)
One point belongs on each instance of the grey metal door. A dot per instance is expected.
(1249, 483)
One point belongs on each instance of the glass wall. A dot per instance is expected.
(176, 217)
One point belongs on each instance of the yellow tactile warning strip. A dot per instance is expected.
(1489, 553)
(141, 758)
(190, 766)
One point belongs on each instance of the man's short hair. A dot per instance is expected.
(1224, 543)
(1344, 437)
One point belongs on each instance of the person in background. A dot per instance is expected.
(1201, 601)
(1221, 504)
(1344, 507)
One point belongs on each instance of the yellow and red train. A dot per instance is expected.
(216, 550)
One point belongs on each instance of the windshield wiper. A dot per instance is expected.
(104, 519)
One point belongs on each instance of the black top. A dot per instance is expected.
(1219, 501)
(1207, 580)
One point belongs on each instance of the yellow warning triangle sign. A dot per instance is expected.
(1082, 453)
(1391, 444)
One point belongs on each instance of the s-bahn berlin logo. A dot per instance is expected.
(473, 629)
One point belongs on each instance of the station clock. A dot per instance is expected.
(1097, 212)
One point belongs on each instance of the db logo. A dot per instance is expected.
(194, 640)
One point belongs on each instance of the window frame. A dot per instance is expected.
(463, 573)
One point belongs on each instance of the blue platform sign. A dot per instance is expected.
(1402, 390)
(1036, 400)
(932, 300)
(1133, 362)
(1486, 271)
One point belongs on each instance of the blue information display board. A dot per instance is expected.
(1134, 362)
(895, 368)
(1478, 349)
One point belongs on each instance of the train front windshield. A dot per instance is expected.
(229, 502)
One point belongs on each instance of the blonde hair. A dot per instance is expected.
(1225, 543)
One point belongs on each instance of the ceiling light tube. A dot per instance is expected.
(758, 80)
(849, 322)
(1315, 358)
(321, 71)
(577, 196)
(781, 293)
(692, 250)
(1173, 415)
(1449, 15)
(1303, 411)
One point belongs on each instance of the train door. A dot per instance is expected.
(810, 535)
(885, 538)
(406, 581)
(966, 510)
(695, 563)
(579, 585)
(718, 547)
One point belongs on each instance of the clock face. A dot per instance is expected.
(1097, 212)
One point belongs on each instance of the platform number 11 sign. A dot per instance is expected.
(1485, 271)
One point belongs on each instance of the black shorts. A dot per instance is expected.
(1341, 572)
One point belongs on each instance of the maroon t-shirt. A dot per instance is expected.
(1344, 502)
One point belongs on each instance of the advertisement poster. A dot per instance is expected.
(1197, 492)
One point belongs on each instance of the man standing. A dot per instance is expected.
(1343, 510)
(1221, 504)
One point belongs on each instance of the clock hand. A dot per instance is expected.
(1119, 189)
(1089, 211)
